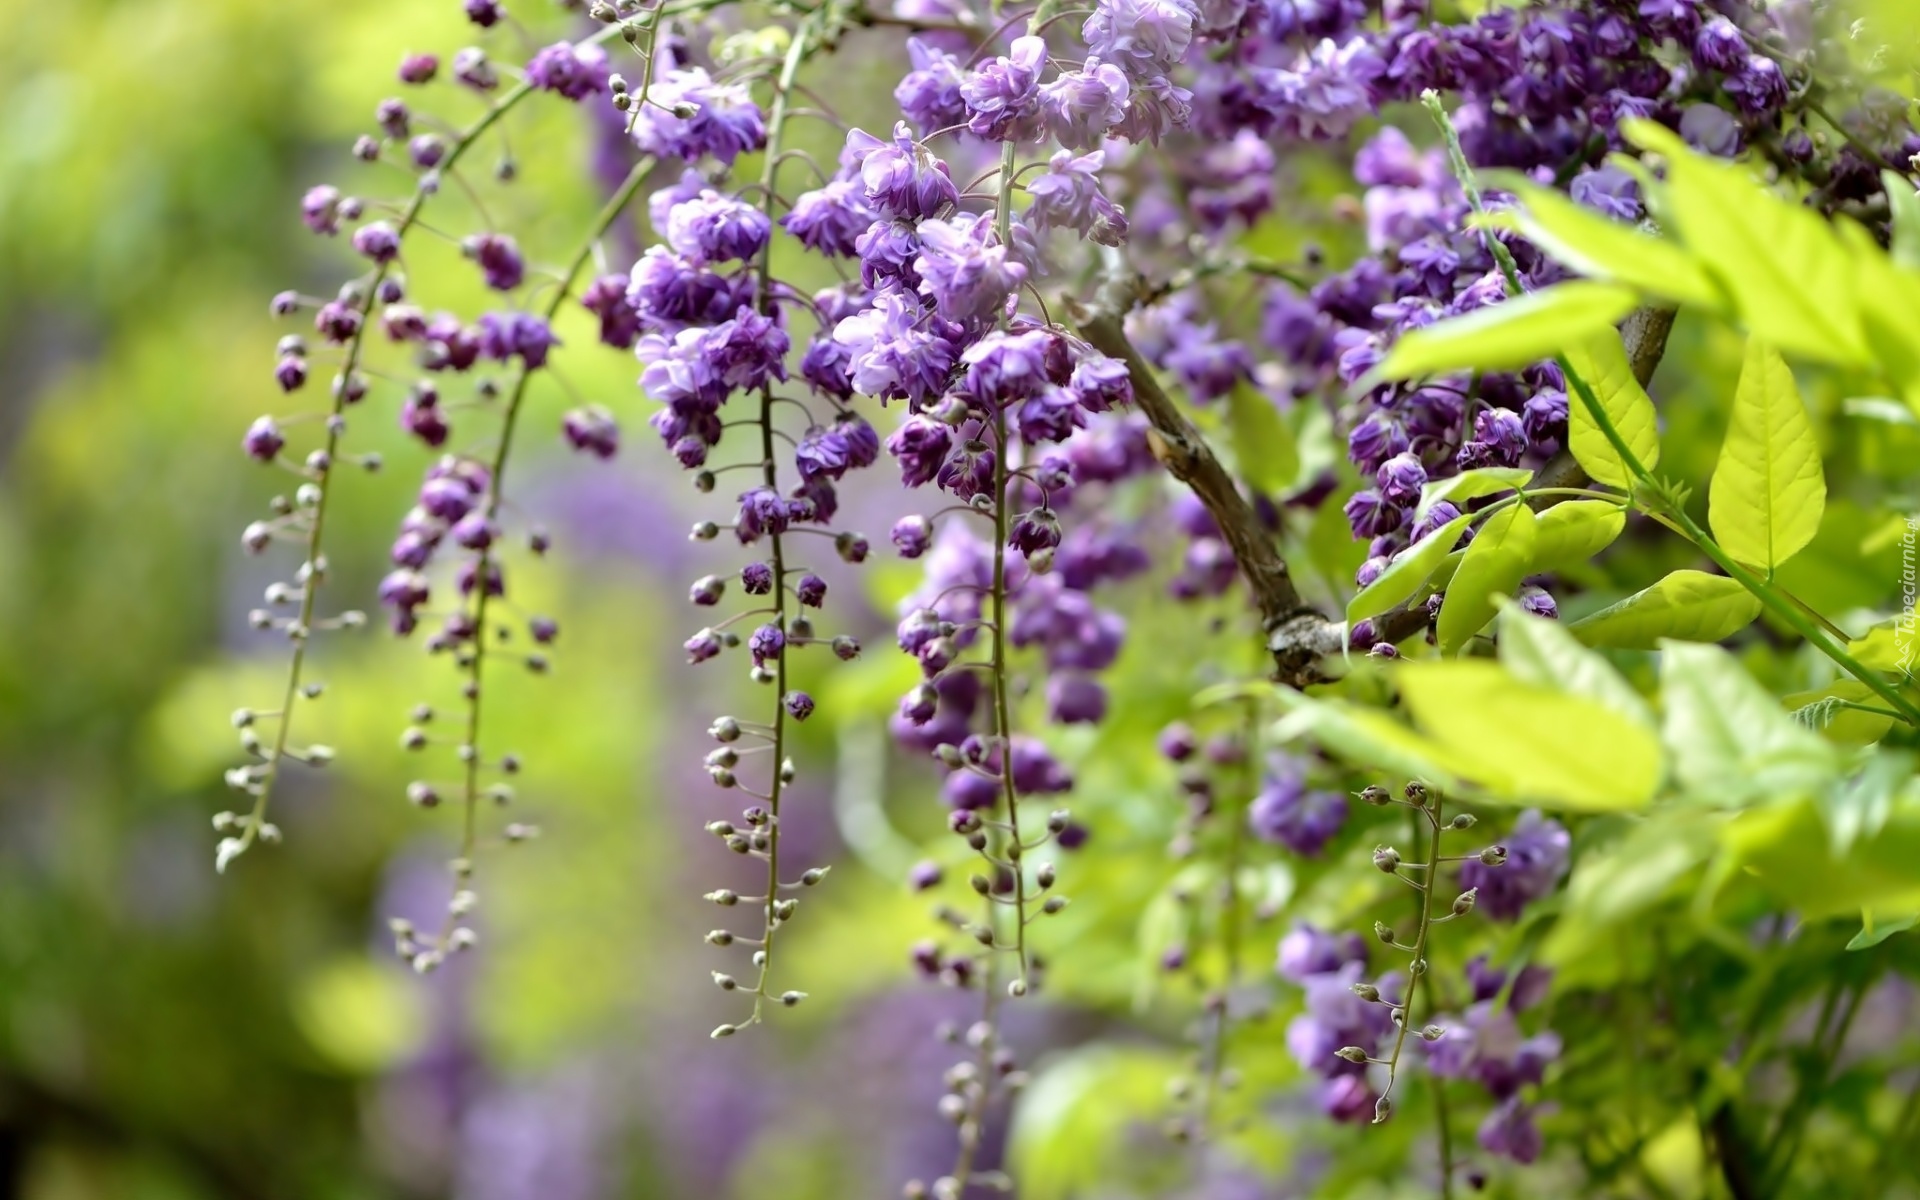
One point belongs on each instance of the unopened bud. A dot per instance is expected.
(1375, 795)
(1352, 1054)
(1416, 792)
(1366, 991)
(1382, 1110)
(1463, 903)
(1494, 856)
(1463, 821)
(1386, 858)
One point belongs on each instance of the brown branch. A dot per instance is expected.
(1298, 635)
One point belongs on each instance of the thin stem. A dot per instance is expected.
(1418, 967)
(803, 39)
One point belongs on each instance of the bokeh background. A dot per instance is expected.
(170, 1033)
(167, 1033)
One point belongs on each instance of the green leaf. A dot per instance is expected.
(1573, 531)
(1601, 362)
(1541, 652)
(1495, 563)
(1690, 605)
(1362, 737)
(1509, 335)
(1409, 569)
(1729, 737)
(1599, 248)
(1523, 743)
(1469, 485)
(1905, 205)
(1785, 847)
(1768, 492)
(1075, 1117)
(1872, 932)
(1785, 269)
(1625, 877)
(1893, 646)
(1264, 450)
(1859, 806)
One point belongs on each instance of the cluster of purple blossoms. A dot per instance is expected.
(1330, 970)
(1290, 813)
(1486, 1045)
(1536, 861)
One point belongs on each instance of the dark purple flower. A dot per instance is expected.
(1400, 479)
(421, 416)
(569, 70)
(799, 705)
(1034, 531)
(762, 511)
(1067, 195)
(766, 643)
(1372, 515)
(263, 441)
(593, 430)
(921, 445)
(1718, 46)
(964, 269)
(606, 298)
(724, 122)
(811, 591)
(702, 646)
(1758, 85)
(1537, 851)
(503, 335)
(930, 93)
(1502, 431)
(475, 531)
(1177, 742)
(484, 13)
(1035, 770)
(1608, 190)
(498, 258)
(1375, 440)
(1076, 699)
(290, 372)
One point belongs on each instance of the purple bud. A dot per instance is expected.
(756, 578)
(263, 440)
(702, 646)
(811, 591)
(912, 535)
(1400, 479)
(419, 68)
(290, 373)
(378, 241)
(799, 705)
(475, 531)
(284, 303)
(925, 874)
(484, 13)
(1177, 742)
(766, 643)
(592, 430)
(543, 630)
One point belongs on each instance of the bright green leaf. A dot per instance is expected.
(1785, 847)
(1830, 711)
(1573, 531)
(1601, 363)
(1362, 737)
(1859, 806)
(1409, 569)
(1893, 646)
(1599, 248)
(1626, 876)
(1541, 652)
(1689, 605)
(1785, 269)
(1496, 561)
(1768, 492)
(1873, 932)
(1511, 334)
(1729, 737)
(1469, 485)
(1525, 743)
(1905, 205)
(1264, 450)
(1076, 1116)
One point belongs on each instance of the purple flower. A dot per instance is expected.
(723, 120)
(710, 227)
(1503, 433)
(290, 373)
(1400, 479)
(571, 71)
(799, 705)
(1003, 96)
(1485, 1044)
(1371, 515)
(1067, 195)
(419, 68)
(921, 445)
(930, 93)
(811, 591)
(762, 511)
(1374, 441)
(421, 416)
(901, 179)
(766, 643)
(1146, 38)
(890, 355)
(1335, 1017)
(1537, 851)
(1758, 86)
(964, 269)
(1288, 814)
(668, 291)
(1034, 531)
(1076, 700)
(1608, 190)
(1537, 601)
(1509, 1132)
(1710, 129)
(702, 646)
(263, 441)
(320, 209)
(498, 258)
(606, 298)
(1307, 951)
(484, 13)
(911, 536)
(829, 219)
(504, 335)
(378, 241)
(1079, 107)
(1035, 771)
(1718, 46)
(1328, 89)
(472, 68)
(593, 430)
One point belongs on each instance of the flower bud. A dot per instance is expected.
(1463, 903)
(1376, 795)
(1352, 1054)
(1367, 992)
(1382, 1110)
(1463, 821)
(1494, 856)
(1386, 858)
